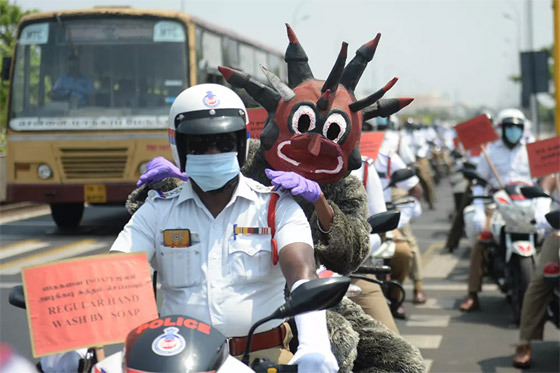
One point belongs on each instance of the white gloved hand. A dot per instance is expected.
(64, 362)
(409, 212)
(374, 241)
(542, 207)
(314, 353)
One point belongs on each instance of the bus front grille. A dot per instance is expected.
(94, 163)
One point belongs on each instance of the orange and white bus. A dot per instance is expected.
(90, 92)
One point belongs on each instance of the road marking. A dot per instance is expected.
(442, 264)
(21, 247)
(424, 341)
(70, 250)
(428, 364)
(28, 213)
(429, 253)
(451, 287)
(438, 304)
(8, 285)
(439, 321)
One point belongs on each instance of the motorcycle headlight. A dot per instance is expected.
(44, 171)
(143, 167)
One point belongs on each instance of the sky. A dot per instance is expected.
(462, 50)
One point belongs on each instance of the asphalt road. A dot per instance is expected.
(449, 340)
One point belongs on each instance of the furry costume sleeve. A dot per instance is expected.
(379, 348)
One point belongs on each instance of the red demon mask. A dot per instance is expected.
(314, 127)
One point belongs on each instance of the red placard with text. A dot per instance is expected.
(257, 120)
(370, 142)
(544, 156)
(87, 302)
(476, 132)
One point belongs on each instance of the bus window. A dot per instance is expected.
(230, 52)
(260, 60)
(247, 59)
(276, 65)
(124, 71)
(212, 57)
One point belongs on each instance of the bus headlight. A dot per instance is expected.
(44, 171)
(142, 168)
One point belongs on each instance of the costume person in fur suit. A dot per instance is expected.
(311, 137)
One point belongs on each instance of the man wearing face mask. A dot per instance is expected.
(509, 157)
(224, 245)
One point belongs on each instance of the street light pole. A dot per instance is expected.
(518, 37)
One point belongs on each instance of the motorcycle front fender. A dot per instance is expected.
(519, 247)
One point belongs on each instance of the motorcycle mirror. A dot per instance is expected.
(384, 221)
(400, 175)
(469, 165)
(17, 297)
(471, 175)
(533, 192)
(456, 154)
(553, 218)
(314, 295)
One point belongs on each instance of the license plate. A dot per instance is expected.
(95, 193)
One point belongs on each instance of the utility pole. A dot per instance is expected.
(533, 97)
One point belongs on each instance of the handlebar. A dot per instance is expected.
(379, 270)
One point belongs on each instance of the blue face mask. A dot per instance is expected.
(513, 134)
(212, 171)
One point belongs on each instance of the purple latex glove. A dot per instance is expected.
(296, 184)
(158, 169)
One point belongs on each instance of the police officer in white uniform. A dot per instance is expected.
(217, 258)
(510, 159)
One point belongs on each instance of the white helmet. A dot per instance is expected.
(206, 109)
(510, 116)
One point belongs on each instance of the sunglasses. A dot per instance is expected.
(225, 143)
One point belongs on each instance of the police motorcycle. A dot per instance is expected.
(179, 343)
(510, 244)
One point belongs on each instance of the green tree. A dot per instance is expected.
(10, 15)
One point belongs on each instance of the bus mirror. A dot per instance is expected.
(6, 64)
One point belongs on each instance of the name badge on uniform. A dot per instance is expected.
(177, 237)
(250, 230)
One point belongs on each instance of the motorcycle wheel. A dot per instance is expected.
(67, 215)
(521, 269)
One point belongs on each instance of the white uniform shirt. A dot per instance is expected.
(374, 189)
(397, 143)
(382, 167)
(224, 281)
(420, 142)
(511, 164)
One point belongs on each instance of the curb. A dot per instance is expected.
(7, 207)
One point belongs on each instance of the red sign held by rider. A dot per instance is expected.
(257, 120)
(87, 302)
(475, 132)
(544, 156)
(370, 142)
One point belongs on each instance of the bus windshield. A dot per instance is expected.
(97, 73)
